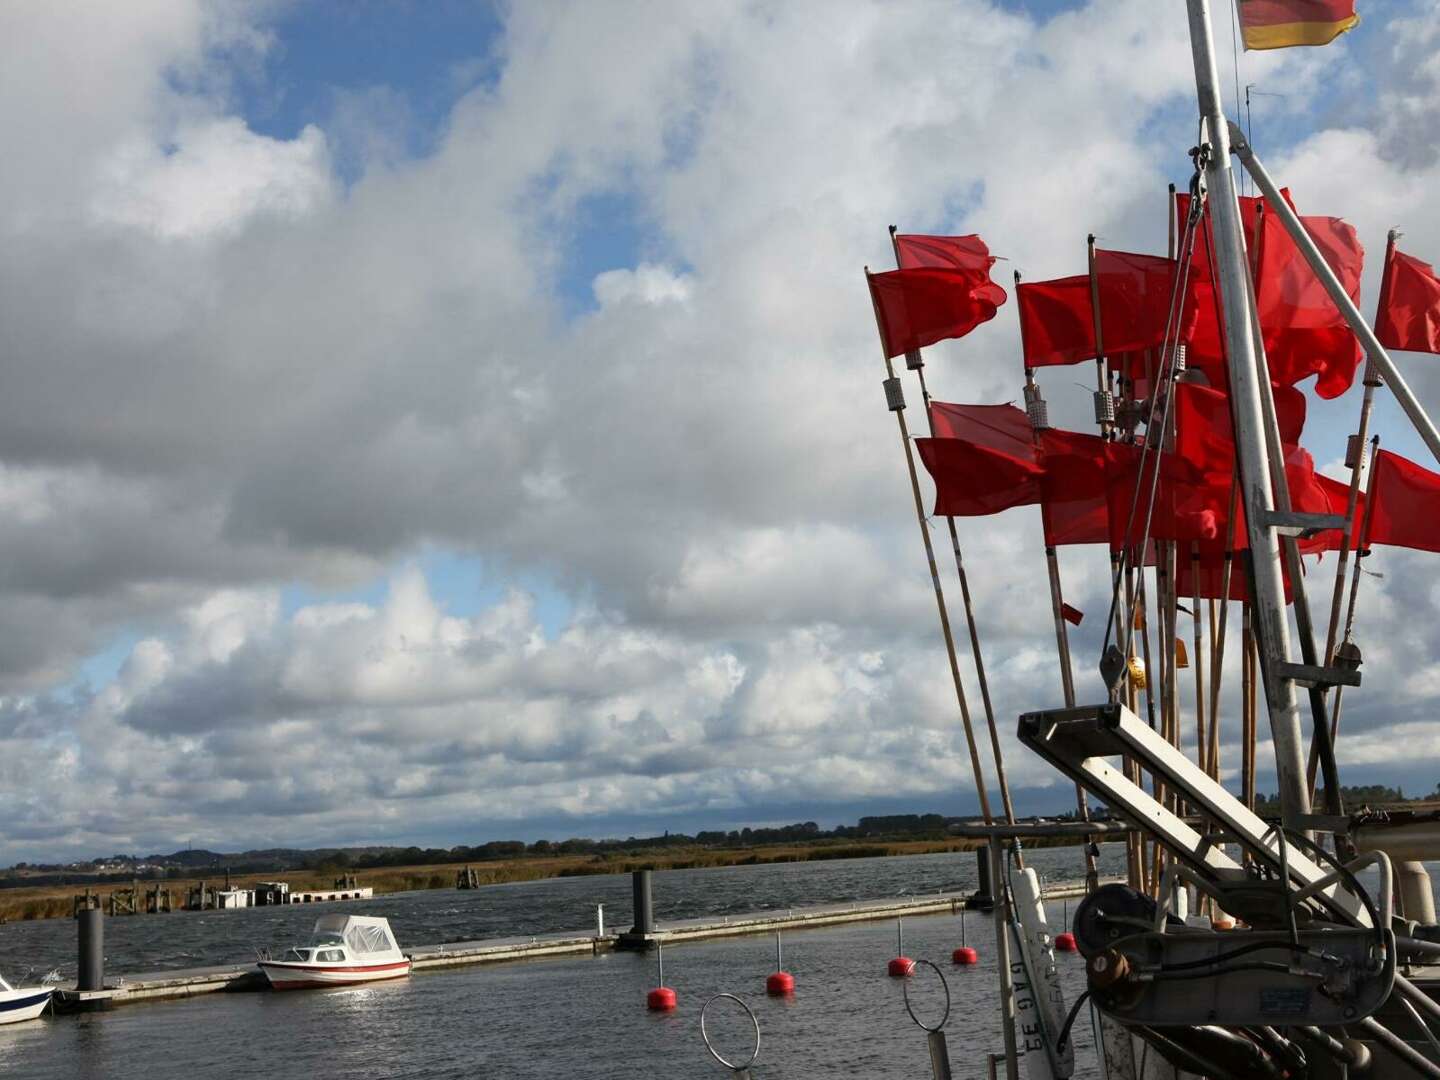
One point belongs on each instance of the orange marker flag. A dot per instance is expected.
(1279, 24)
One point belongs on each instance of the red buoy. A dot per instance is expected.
(901, 967)
(779, 984)
(1065, 942)
(661, 999)
(965, 956)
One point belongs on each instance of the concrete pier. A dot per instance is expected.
(242, 977)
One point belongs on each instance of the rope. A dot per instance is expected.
(1166, 378)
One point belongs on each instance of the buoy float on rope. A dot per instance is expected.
(1065, 940)
(780, 982)
(964, 956)
(902, 967)
(662, 998)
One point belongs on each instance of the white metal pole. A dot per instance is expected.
(1267, 586)
(1378, 356)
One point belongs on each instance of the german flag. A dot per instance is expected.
(1278, 24)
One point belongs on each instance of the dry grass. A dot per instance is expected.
(56, 901)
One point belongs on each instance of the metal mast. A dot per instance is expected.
(1266, 583)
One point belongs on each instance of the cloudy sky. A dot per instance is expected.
(431, 422)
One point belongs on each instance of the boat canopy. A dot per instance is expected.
(365, 935)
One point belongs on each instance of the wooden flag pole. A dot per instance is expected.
(1197, 661)
(1062, 634)
(1247, 705)
(1356, 460)
(1217, 659)
(916, 363)
(1104, 401)
(895, 398)
(1355, 588)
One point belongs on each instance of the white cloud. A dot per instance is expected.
(226, 372)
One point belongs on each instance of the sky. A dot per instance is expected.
(427, 423)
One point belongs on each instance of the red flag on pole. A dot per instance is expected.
(1072, 615)
(1135, 300)
(1203, 432)
(1073, 508)
(1404, 506)
(916, 308)
(1056, 322)
(1304, 332)
(972, 480)
(997, 427)
(1409, 317)
(914, 251)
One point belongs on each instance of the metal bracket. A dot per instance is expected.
(1302, 525)
(1314, 675)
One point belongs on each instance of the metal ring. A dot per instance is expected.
(716, 1053)
(906, 991)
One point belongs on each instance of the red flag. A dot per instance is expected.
(1304, 331)
(1057, 325)
(1074, 507)
(1209, 584)
(1204, 435)
(1405, 504)
(1409, 316)
(1071, 615)
(972, 480)
(996, 427)
(1185, 507)
(1134, 300)
(1334, 498)
(943, 252)
(916, 308)
(1278, 24)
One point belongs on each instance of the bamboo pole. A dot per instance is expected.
(1104, 403)
(1355, 589)
(1357, 479)
(898, 408)
(1197, 662)
(916, 363)
(1247, 704)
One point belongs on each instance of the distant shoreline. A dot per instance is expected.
(27, 903)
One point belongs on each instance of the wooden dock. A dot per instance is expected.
(236, 978)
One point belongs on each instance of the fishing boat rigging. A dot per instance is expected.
(1315, 981)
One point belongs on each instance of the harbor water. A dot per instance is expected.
(539, 1018)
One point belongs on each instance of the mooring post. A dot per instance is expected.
(641, 935)
(599, 920)
(91, 975)
(983, 898)
(644, 903)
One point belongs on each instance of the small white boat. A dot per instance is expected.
(22, 1002)
(343, 950)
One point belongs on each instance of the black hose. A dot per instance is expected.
(1069, 1021)
(1262, 965)
(1254, 946)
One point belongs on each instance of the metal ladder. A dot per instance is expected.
(1079, 741)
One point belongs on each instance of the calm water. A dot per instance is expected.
(582, 1016)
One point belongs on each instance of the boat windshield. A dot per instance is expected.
(329, 937)
(298, 954)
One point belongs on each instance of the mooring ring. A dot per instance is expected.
(704, 1034)
(905, 988)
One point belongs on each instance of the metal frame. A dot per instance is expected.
(1078, 741)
